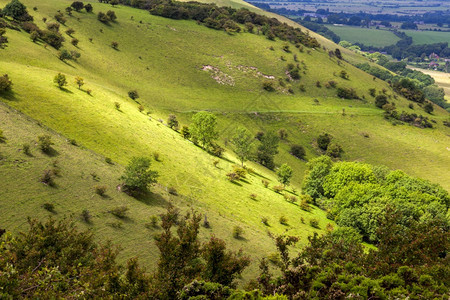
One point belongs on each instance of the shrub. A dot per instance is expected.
(232, 176)
(292, 199)
(265, 183)
(278, 188)
(115, 45)
(100, 190)
(302, 88)
(268, 86)
(253, 196)
(88, 7)
(380, 100)
(298, 151)
(108, 160)
(45, 143)
(238, 232)
(323, 141)
(283, 220)
(334, 150)
(120, 211)
(54, 39)
(102, 17)
(318, 84)
(216, 150)
(63, 55)
(302, 220)
(26, 149)
(185, 132)
(332, 84)
(428, 107)
(265, 221)
(240, 171)
(111, 15)
(133, 94)
(47, 178)
(89, 92)
(156, 156)
(5, 83)
(34, 36)
(86, 216)
(75, 54)
(347, 93)
(77, 5)
(329, 227)
(60, 80)
(49, 206)
(117, 105)
(141, 108)
(304, 205)
(172, 190)
(282, 133)
(343, 74)
(154, 221)
(3, 138)
(306, 198)
(314, 223)
(372, 92)
(74, 42)
(53, 27)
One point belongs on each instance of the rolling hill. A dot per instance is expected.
(179, 67)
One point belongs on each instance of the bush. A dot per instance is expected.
(240, 171)
(172, 190)
(232, 176)
(77, 5)
(428, 107)
(63, 55)
(372, 92)
(100, 190)
(48, 206)
(265, 221)
(156, 156)
(53, 38)
(282, 133)
(86, 216)
(334, 150)
(298, 151)
(133, 94)
(347, 93)
(26, 149)
(74, 42)
(268, 86)
(115, 46)
(238, 232)
(292, 199)
(48, 178)
(380, 100)
(2, 137)
(343, 74)
(5, 83)
(154, 221)
(108, 160)
(318, 84)
(88, 7)
(45, 143)
(102, 17)
(283, 220)
(185, 132)
(278, 188)
(323, 141)
(314, 223)
(304, 205)
(120, 211)
(111, 15)
(265, 183)
(253, 196)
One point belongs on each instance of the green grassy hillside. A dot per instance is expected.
(163, 60)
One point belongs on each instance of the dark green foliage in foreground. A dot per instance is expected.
(355, 194)
(225, 18)
(267, 149)
(17, 11)
(335, 266)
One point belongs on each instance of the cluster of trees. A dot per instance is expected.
(56, 260)
(226, 18)
(109, 16)
(355, 194)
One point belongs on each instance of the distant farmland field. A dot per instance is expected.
(366, 36)
(428, 37)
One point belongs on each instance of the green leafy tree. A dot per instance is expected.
(428, 107)
(60, 80)
(16, 10)
(243, 144)
(318, 169)
(88, 7)
(380, 100)
(323, 140)
(77, 5)
(138, 176)
(203, 128)
(172, 121)
(64, 55)
(133, 94)
(267, 149)
(284, 174)
(79, 81)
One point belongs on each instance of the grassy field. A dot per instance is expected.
(163, 60)
(366, 36)
(428, 37)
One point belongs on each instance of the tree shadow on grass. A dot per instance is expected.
(150, 198)
(51, 152)
(9, 95)
(66, 90)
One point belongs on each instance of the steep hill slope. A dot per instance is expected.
(180, 67)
